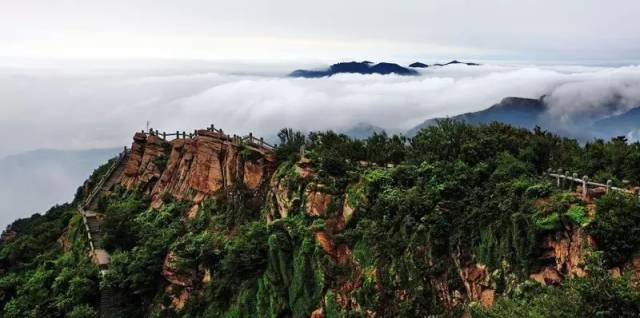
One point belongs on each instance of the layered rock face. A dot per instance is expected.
(195, 168)
(208, 165)
(565, 254)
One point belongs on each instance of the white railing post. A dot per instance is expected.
(609, 182)
(584, 187)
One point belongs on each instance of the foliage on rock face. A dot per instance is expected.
(596, 295)
(616, 227)
(456, 195)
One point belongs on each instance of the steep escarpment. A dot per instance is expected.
(195, 168)
(458, 221)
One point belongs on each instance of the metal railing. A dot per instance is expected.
(249, 139)
(94, 192)
(566, 179)
(97, 188)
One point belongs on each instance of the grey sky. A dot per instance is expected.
(324, 30)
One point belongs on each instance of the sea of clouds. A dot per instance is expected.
(90, 105)
(99, 104)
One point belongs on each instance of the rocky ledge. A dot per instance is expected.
(195, 168)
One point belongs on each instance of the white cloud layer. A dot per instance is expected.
(83, 106)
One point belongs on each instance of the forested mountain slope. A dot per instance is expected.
(455, 221)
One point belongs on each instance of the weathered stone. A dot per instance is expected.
(253, 172)
(567, 249)
(175, 276)
(478, 285)
(303, 168)
(193, 212)
(633, 266)
(195, 168)
(487, 297)
(178, 296)
(548, 276)
(63, 242)
(141, 169)
(317, 201)
(317, 313)
(347, 210)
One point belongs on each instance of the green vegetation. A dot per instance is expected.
(456, 195)
(616, 227)
(596, 295)
(45, 270)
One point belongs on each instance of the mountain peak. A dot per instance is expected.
(418, 65)
(365, 67)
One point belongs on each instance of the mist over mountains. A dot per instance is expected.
(530, 113)
(33, 181)
(110, 101)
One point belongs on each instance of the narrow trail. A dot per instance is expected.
(93, 219)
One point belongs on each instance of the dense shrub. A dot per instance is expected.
(616, 227)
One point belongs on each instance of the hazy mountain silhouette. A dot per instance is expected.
(364, 67)
(34, 181)
(516, 111)
(418, 65)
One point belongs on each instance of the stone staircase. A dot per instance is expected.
(108, 302)
(92, 221)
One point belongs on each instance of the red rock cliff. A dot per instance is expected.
(195, 168)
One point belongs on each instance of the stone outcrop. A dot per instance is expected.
(347, 209)
(317, 200)
(564, 255)
(175, 276)
(7, 235)
(195, 168)
(281, 197)
(141, 168)
(548, 275)
(632, 266)
(477, 283)
(178, 296)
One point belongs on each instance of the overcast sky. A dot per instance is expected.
(571, 30)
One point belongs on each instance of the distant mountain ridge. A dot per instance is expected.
(516, 111)
(423, 65)
(362, 131)
(368, 67)
(529, 113)
(364, 67)
(418, 65)
(619, 125)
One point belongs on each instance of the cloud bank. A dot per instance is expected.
(83, 107)
(79, 105)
